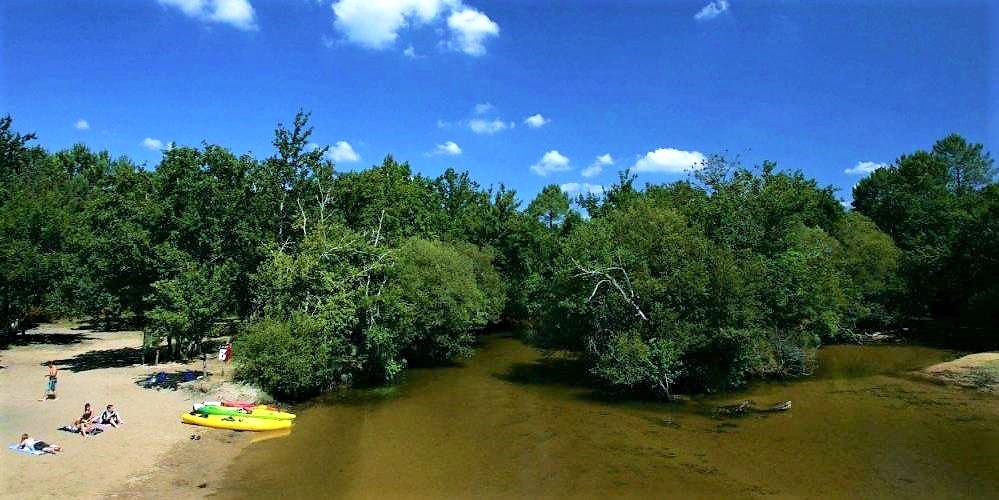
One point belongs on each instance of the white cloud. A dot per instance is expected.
(470, 29)
(448, 148)
(342, 151)
(864, 167)
(81, 124)
(536, 121)
(712, 10)
(376, 23)
(552, 161)
(480, 126)
(576, 187)
(410, 52)
(598, 165)
(669, 160)
(483, 108)
(152, 144)
(443, 124)
(236, 13)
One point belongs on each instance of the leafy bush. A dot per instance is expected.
(294, 358)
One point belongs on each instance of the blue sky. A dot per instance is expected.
(820, 86)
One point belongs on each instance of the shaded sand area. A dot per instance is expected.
(151, 456)
(511, 423)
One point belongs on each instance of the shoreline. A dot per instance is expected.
(978, 371)
(151, 456)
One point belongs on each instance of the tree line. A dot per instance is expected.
(331, 278)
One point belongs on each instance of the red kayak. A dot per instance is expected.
(247, 405)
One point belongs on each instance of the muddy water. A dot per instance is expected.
(511, 423)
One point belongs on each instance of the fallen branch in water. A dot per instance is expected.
(744, 407)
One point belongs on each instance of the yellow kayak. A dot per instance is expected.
(235, 423)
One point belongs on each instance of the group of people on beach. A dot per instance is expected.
(86, 424)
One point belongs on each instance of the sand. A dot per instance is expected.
(151, 456)
(979, 371)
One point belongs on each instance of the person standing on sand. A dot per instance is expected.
(50, 387)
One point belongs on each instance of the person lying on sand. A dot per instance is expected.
(110, 417)
(85, 423)
(29, 444)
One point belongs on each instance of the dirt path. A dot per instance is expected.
(150, 455)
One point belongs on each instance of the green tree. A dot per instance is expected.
(550, 207)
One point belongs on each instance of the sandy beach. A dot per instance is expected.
(152, 455)
(978, 371)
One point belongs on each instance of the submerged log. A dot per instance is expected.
(747, 406)
(782, 406)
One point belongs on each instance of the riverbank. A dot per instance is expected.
(976, 371)
(152, 455)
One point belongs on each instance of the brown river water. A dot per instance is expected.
(510, 422)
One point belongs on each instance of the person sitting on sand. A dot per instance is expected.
(110, 417)
(85, 423)
(29, 444)
(50, 386)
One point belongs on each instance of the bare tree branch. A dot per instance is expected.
(604, 276)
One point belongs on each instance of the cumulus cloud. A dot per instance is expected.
(712, 10)
(536, 121)
(410, 52)
(376, 23)
(81, 124)
(152, 144)
(469, 29)
(864, 167)
(449, 148)
(576, 187)
(552, 161)
(343, 152)
(598, 165)
(489, 127)
(236, 13)
(669, 160)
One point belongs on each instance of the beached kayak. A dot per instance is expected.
(258, 412)
(235, 423)
(247, 405)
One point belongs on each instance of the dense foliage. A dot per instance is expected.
(940, 207)
(341, 278)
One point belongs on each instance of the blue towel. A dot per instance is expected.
(17, 449)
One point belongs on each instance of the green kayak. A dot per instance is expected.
(239, 412)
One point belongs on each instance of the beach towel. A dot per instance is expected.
(76, 430)
(17, 449)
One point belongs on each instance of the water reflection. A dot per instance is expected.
(513, 423)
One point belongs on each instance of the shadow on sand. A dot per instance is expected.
(167, 380)
(26, 339)
(95, 360)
